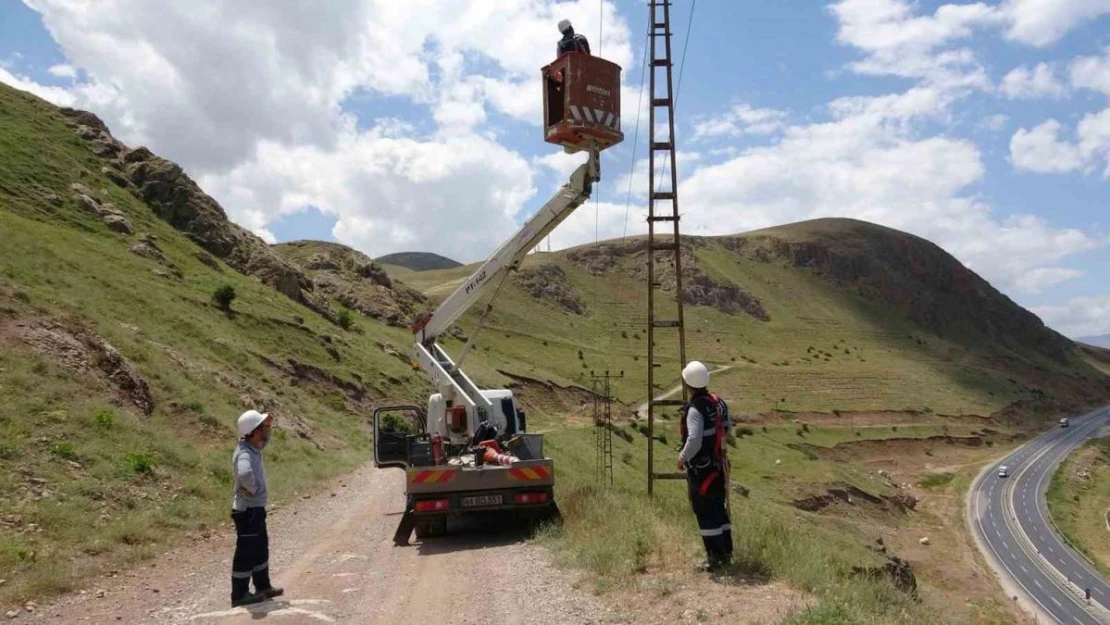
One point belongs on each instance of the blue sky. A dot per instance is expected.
(984, 127)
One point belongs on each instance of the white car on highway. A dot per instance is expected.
(1003, 471)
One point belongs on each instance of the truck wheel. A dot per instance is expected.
(423, 528)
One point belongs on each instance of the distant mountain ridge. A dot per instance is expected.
(1097, 341)
(418, 261)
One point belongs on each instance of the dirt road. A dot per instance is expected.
(335, 557)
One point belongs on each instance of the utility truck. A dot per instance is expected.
(468, 451)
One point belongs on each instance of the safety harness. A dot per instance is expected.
(717, 452)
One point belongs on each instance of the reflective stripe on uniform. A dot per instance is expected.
(241, 574)
(717, 532)
(262, 566)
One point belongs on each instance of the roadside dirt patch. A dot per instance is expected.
(659, 599)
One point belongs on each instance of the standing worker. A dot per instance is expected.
(703, 429)
(248, 511)
(570, 41)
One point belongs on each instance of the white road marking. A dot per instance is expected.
(266, 609)
(1056, 601)
(1023, 568)
(1038, 583)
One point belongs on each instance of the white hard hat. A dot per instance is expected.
(696, 375)
(564, 25)
(249, 421)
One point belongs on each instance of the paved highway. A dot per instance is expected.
(1010, 522)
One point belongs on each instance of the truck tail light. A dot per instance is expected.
(530, 498)
(432, 505)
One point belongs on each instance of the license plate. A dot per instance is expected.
(484, 500)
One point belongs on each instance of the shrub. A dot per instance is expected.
(580, 357)
(344, 319)
(105, 419)
(139, 463)
(626, 457)
(223, 296)
(745, 430)
(64, 451)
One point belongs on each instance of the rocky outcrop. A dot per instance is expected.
(698, 287)
(354, 280)
(177, 199)
(108, 214)
(914, 275)
(548, 283)
(174, 197)
(82, 351)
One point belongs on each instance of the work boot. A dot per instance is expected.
(270, 592)
(247, 599)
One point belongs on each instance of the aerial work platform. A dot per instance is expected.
(582, 102)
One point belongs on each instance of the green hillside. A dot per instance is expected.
(103, 458)
(821, 346)
(418, 261)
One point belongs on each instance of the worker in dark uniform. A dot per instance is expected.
(248, 511)
(570, 41)
(704, 426)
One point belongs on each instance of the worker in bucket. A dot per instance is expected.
(248, 511)
(704, 426)
(570, 41)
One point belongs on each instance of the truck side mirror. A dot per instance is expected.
(523, 420)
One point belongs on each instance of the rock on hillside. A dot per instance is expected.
(174, 197)
(549, 283)
(915, 275)
(418, 261)
(354, 280)
(698, 287)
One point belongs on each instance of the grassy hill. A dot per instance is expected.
(809, 317)
(418, 261)
(842, 341)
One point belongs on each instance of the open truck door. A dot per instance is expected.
(393, 427)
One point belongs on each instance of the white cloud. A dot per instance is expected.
(1040, 82)
(1092, 72)
(249, 99)
(457, 196)
(741, 119)
(898, 42)
(56, 95)
(1041, 150)
(1036, 280)
(1044, 22)
(1081, 316)
(63, 71)
(995, 123)
(869, 163)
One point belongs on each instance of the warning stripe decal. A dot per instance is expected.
(530, 473)
(435, 476)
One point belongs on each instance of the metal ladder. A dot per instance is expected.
(665, 239)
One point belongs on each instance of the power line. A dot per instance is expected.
(636, 135)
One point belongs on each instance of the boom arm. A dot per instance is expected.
(452, 382)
